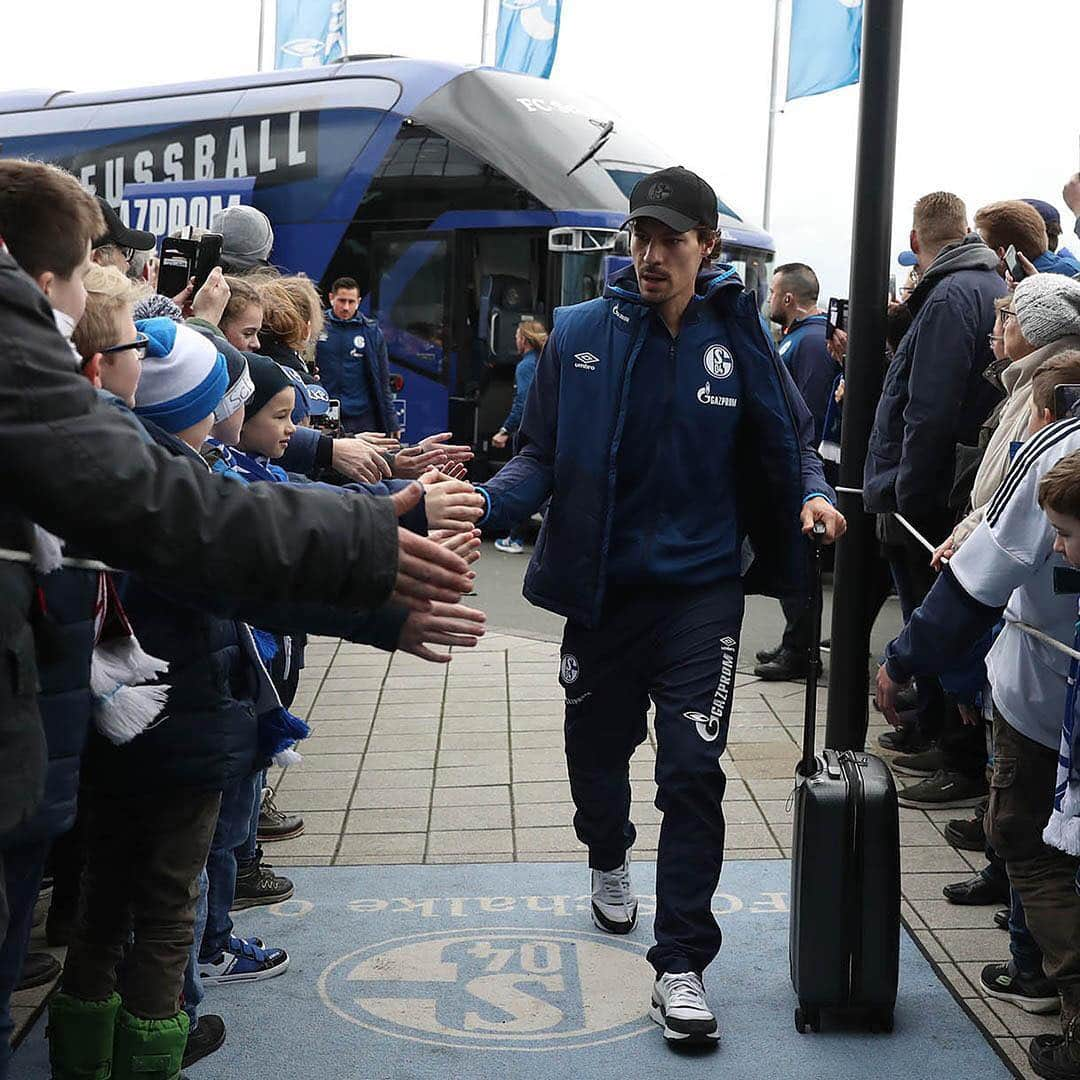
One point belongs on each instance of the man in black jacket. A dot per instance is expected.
(934, 397)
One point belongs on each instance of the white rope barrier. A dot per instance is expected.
(9, 555)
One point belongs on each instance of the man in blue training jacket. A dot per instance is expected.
(677, 454)
(793, 305)
(353, 366)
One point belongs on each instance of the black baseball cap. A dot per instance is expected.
(119, 234)
(676, 197)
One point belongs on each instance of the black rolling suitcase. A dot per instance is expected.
(845, 873)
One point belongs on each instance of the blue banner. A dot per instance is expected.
(310, 33)
(528, 36)
(826, 46)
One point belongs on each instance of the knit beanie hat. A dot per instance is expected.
(240, 386)
(1047, 307)
(183, 376)
(269, 379)
(246, 235)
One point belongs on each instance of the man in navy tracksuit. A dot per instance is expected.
(677, 455)
(352, 361)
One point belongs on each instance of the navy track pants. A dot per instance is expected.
(677, 646)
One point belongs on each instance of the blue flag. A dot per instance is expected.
(527, 36)
(826, 46)
(309, 33)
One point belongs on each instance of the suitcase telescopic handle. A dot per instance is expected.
(808, 763)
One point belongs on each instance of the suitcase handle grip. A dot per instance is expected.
(808, 763)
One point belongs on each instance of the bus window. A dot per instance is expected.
(582, 277)
(411, 290)
(425, 174)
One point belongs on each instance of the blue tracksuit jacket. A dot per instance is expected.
(813, 369)
(574, 424)
(353, 367)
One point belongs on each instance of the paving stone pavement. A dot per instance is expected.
(412, 763)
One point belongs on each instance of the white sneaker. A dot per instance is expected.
(614, 906)
(680, 1008)
(509, 546)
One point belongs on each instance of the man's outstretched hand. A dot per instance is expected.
(359, 460)
(819, 509)
(427, 572)
(445, 624)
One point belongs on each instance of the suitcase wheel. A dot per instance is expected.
(882, 1021)
(807, 1016)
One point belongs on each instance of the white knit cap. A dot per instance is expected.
(1047, 307)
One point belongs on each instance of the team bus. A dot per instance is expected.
(462, 199)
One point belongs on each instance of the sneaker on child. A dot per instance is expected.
(1034, 993)
(243, 961)
(614, 905)
(509, 546)
(680, 1008)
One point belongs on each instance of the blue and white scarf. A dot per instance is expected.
(1063, 829)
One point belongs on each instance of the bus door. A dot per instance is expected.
(502, 278)
(411, 294)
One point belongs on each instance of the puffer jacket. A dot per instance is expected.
(574, 425)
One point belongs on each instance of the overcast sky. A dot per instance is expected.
(989, 106)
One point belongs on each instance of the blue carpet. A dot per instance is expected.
(471, 972)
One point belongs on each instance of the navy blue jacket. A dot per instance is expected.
(934, 394)
(524, 374)
(574, 424)
(812, 367)
(64, 640)
(353, 367)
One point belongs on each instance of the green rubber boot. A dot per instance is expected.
(149, 1049)
(81, 1037)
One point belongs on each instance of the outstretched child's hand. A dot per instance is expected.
(451, 504)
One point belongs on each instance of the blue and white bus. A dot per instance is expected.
(463, 199)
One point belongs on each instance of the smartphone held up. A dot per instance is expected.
(184, 258)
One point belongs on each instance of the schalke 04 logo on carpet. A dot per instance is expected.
(493, 988)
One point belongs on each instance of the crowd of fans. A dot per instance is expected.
(153, 822)
(164, 691)
(974, 448)
(983, 355)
